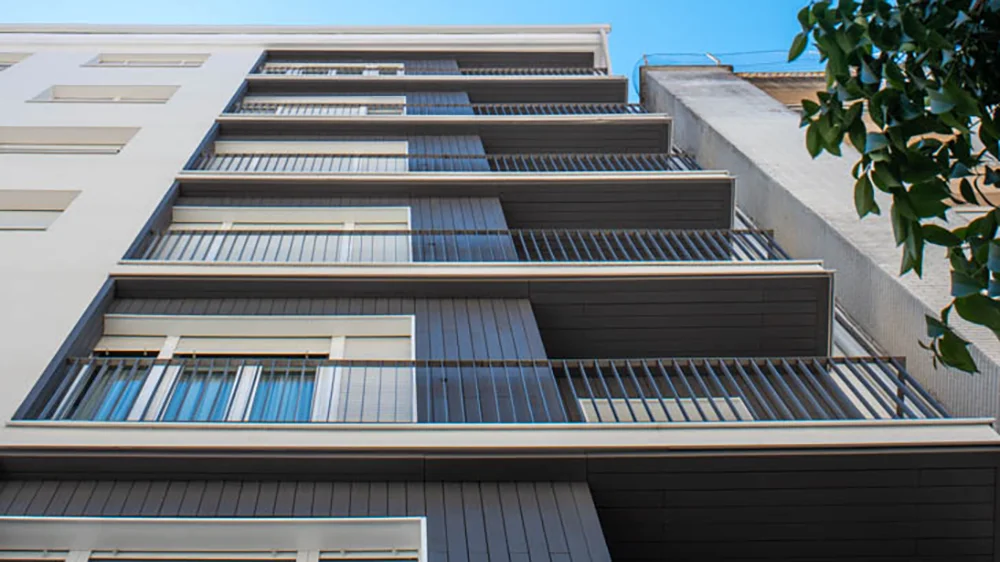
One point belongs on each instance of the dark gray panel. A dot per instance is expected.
(440, 60)
(583, 203)
(613, 135)
(528, 89)
(464, 518)
(743, 510)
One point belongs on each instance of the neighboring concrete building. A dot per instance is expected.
(341, 294)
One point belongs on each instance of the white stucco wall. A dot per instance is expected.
(49, 277)
(728, 123)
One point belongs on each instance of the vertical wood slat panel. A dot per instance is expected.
(467, 521)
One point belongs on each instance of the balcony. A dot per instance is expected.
(313, 163)
(395, 69)
(617, 391)
(345, 109)
(401, 246)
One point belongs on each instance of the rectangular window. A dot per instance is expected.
(106, 94)
(324, 105)
(285, 235)
(157, 60)
(246, 368)
(64, 140)
(389, 156)
(8, 60)
(176, 539)
(610, 410)
(335, 69)
(26, 209)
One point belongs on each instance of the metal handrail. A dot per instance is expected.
(296, 109)
(407, 246)
(669, 390)
(372, 69)
(393, 163)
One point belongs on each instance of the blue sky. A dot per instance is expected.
(638, 26)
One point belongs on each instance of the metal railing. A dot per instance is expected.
(563, 245)
(305, 109)
(395, 163)
(357, 69)
(242, 389)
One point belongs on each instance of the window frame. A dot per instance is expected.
(106, 539)
(129, 94)
(45, 205)
(364, 103)
(202, 223)
(148, 60)
(157, 388)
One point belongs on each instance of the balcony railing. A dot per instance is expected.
(307, 163)
(325, 246)
(351, 109)
(348, 69)
(571, 391)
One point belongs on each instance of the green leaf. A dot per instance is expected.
(941, 102)
(864, 197)
(809, 107)
(963, 285)
(900, 224)
(940, 236)
(955, 352)
(799, 45)
(968, 194)
(935, 328)
(993, 262)
(814, 142)
(979, 309)
(875, 141)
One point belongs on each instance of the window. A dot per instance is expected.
(107, 94)
(22, 209)
(324, 105)
(133, 539)
(170, 60)
(285, 235)
(245, 369)
(64, 140)
(673, 409)
(311, 156)
(336, 69)
(8, 60)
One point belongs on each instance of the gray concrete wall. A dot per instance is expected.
(49, 277)
(728, 123)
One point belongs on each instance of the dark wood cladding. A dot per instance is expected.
(466, 521)
(645, 134)
(525, 89)
(738, 317)
(649, 203)
(468, 59)
(445, 328)
(750, 316)
(787, 508)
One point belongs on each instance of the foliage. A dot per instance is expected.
(927, 73)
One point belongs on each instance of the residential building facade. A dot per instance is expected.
(339, 294)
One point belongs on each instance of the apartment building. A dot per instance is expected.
(425, 294)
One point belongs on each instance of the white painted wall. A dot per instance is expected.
(49, 277)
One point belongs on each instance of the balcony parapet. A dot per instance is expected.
(311, 163)
(469, 246)
(295, 109)
(574, 391)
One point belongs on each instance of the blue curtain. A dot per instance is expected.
(200, 396)
(116, 400)
(283, 397)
